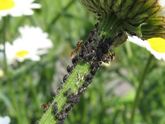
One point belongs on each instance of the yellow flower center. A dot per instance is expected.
(6, 4)
(157, 44)
(22, 53)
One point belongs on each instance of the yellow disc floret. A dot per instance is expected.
(157, 44)
(6, 4)
(22, 53)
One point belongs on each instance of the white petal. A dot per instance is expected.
(145, 44)
(33, 40)
(4, 120)
(22, 7)
(136, 40)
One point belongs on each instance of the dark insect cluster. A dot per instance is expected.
(71, 100)
(93, 51)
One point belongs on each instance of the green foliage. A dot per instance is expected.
(28, 85)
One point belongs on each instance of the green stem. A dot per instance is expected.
(5, 20)
(140, 88)
(73, 83)
(88, 58)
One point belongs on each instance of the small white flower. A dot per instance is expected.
(155, 45)
(32, 43)
(17, 7)
(4, 120)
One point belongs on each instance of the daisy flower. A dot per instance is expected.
(17, 7)
(142, 18)
(155, 46)
(31, 44)
(4, 120)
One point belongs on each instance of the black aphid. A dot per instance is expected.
(67, 107)
(54, 109)
(86, 84)
(69, 68)
(65, 77)
(81, 90)
(93, 71)
(61, 116)
(95, 65)
(89, 77)
(75, 59)
(73, 98)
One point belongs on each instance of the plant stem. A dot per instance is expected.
(93, 52)
(5, 20)
(140, 88)
(73, 83)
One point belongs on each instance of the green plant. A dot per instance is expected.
(111, 30)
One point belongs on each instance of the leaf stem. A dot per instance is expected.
(140, 88)
(5, 20)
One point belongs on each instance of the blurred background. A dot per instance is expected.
(109, 100)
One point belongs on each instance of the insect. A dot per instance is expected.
(73, 99)
(75, 59)
(94, 68)
(110, 56)
(88, 79)
(45, 106)
(61, 116)
(77, 49)
(54, 108)
(69, 68)
(65, 78)
(81, 90)
(68, 107)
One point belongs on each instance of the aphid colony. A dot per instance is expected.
(94, 51)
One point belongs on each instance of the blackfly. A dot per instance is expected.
(73, 99)
(54, 109)
(88, 77)
(75, 60)
(81, 90)
(67, 107)
(92, 51)
(61, 116)
(65, 77)
(70, 68)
